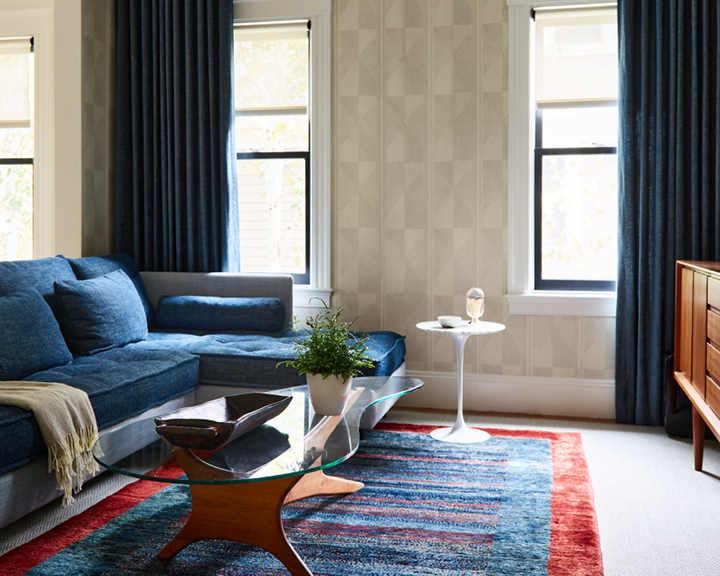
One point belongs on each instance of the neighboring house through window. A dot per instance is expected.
(562, 157)
(282, 95)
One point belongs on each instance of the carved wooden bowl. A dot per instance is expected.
(211, 425)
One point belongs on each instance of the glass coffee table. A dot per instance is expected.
(239, 490)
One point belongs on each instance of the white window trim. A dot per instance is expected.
(522, 298)
(318, 11)
(38, 24)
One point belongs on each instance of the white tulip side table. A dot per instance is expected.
(460, 432)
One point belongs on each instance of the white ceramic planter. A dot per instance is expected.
(328, 395)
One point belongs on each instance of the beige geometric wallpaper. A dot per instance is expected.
(98, 121)
(420, 110)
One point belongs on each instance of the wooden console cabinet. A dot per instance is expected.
(697, 346)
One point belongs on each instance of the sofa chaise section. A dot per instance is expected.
(235, 361)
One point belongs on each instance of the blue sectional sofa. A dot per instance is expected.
(140, 344)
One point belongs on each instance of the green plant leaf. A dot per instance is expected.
(329, 347)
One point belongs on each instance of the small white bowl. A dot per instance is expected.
(450, 321)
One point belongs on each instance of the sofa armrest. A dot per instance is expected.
(226, 284)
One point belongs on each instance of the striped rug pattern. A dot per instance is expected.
(520, 503)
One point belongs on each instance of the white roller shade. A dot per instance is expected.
(16, 85)
(576, 54)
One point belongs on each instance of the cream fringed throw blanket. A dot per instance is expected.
(68, 427)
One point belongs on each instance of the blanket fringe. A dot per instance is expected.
(71, 458)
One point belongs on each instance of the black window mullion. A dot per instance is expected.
(538, 200)
(17, 161)
(262, 155)
(580, 151)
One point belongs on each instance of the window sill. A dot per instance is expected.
(556, 303)
(305, 296)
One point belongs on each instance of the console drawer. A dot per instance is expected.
(712, 395)
(713, 362)
(713, 326)
(713, 293)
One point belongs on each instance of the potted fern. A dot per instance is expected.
(329, 355)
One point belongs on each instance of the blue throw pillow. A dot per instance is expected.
(94, 266)
(214, 313)
(100, 313)
(40, 274)
(30, 339)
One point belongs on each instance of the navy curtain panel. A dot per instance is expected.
(176, 180)
(669, 183)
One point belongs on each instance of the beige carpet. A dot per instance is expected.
(657, 516)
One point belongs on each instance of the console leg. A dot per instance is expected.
(698, 425)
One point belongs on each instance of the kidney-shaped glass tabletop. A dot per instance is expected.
(295, 442)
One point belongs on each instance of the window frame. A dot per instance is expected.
(521, 295)
(318, 214)
(540, 152)
(299, 279)
(28, 160)
(306, 156)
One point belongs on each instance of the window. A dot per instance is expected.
(317, 13)
(562, 163)
(576, 85)
(16, 148)
(273, 147)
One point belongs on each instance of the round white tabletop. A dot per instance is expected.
(460, 432)
(479, 327)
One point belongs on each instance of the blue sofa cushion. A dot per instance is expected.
(212, 313)
(30, 338)
(94, 266)
(251, 359)
(40, 274)
(121, 383)
(100, 313)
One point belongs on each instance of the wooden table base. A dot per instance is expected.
(250, 512)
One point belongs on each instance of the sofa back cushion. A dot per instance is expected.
(211, 313)
(94, 266)
(39, 274)
(100, 313)
(30, 339)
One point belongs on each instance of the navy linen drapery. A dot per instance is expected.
(175, 158)
(669, 182)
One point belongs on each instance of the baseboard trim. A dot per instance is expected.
(574, 397)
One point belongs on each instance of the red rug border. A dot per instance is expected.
(574, 542)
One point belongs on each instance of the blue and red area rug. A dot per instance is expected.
(519, 504)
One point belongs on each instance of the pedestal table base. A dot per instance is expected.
(460, 436)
